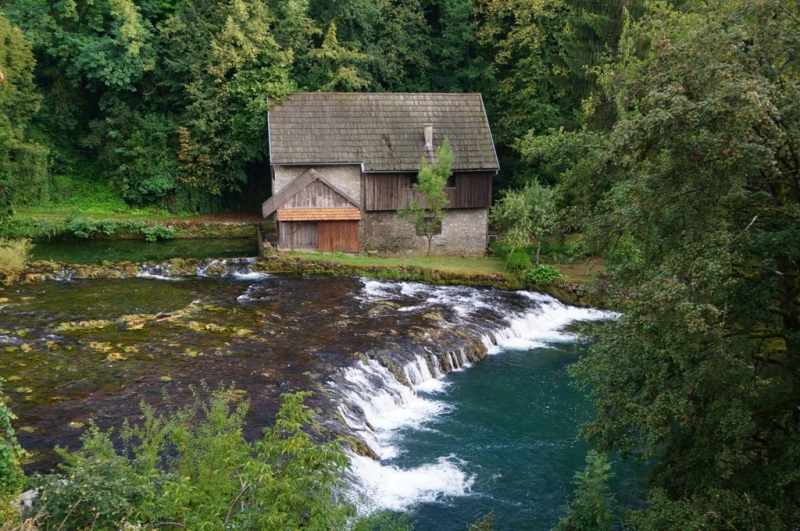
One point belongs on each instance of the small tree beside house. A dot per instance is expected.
(428, 214)
(525, 215)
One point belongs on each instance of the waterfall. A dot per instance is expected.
(375, 405)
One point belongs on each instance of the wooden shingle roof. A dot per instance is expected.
(384, 131)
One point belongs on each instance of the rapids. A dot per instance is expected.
(378, 356)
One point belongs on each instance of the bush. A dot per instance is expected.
(193, 467)
(153, 233)
(83, 228)
(13, 257)
(518, 262)
(591, 508)
(11, 477)
(544, 274)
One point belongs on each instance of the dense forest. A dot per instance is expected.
(668, 133)
(163, 102)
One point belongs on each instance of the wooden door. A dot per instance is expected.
(338, 236)
(298, 235)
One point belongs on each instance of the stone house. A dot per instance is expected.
(343, 164)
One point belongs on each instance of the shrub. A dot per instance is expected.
(11, 477)
(591, 508)
(83, 228)
(518, 262)
(544, 274)
(153, 233)
(193, 467)
(13, 257)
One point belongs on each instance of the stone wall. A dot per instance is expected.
(463, 233)
(346, 177)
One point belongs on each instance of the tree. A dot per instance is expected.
(701, 371)
(23, 163)
(431, 181)
(335, 67)
(525, 215)
(223, 62)
(591, 508)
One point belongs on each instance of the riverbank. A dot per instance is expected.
(580, 285)
(49, 226)
(578, 288)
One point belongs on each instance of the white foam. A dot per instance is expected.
(390, 487)
(158, 277)
(252, 275)
(377, 407)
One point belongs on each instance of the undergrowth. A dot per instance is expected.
(14, 255)
(191, 468)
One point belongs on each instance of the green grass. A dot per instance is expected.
(467, 266)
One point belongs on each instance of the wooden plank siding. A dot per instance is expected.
(316, 195)
(392, 191)
(297, 235)
(338, 236)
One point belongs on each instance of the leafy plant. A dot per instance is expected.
(591, 508)
(518, 262)
(194, 468)
(428, 214)
(83, 228)
(155, 232)
(544, 274)
(11, 453)
(14, 254)
(525, 215)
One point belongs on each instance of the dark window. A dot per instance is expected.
(451, 182)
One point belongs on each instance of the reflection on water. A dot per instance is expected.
(98, 251)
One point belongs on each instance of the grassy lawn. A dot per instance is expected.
(472, 266)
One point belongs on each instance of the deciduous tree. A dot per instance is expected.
(701, 372)
(525, 215)
(428, 213)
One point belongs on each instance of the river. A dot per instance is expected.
(457, 438)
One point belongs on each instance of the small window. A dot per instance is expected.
(437, 229)
(451, 182)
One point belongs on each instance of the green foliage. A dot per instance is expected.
(576, 161)
(155, 232)
(700, 373)
(14, 254)
(383, 521)
(523, 215)
(11, 454)
(518, 261)
(591, 508)
(98, 487)
(223, 62)
(85, 228)
(193, 467)
(485, 523)
(544, 274)
(427, 209)
(23, 166)
(335, 67)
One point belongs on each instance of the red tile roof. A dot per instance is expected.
(319, 214)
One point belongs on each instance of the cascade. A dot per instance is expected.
(375, 404)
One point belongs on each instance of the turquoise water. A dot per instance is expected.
(511, 425)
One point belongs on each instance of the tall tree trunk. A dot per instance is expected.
(429, 245)
(538, 248)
